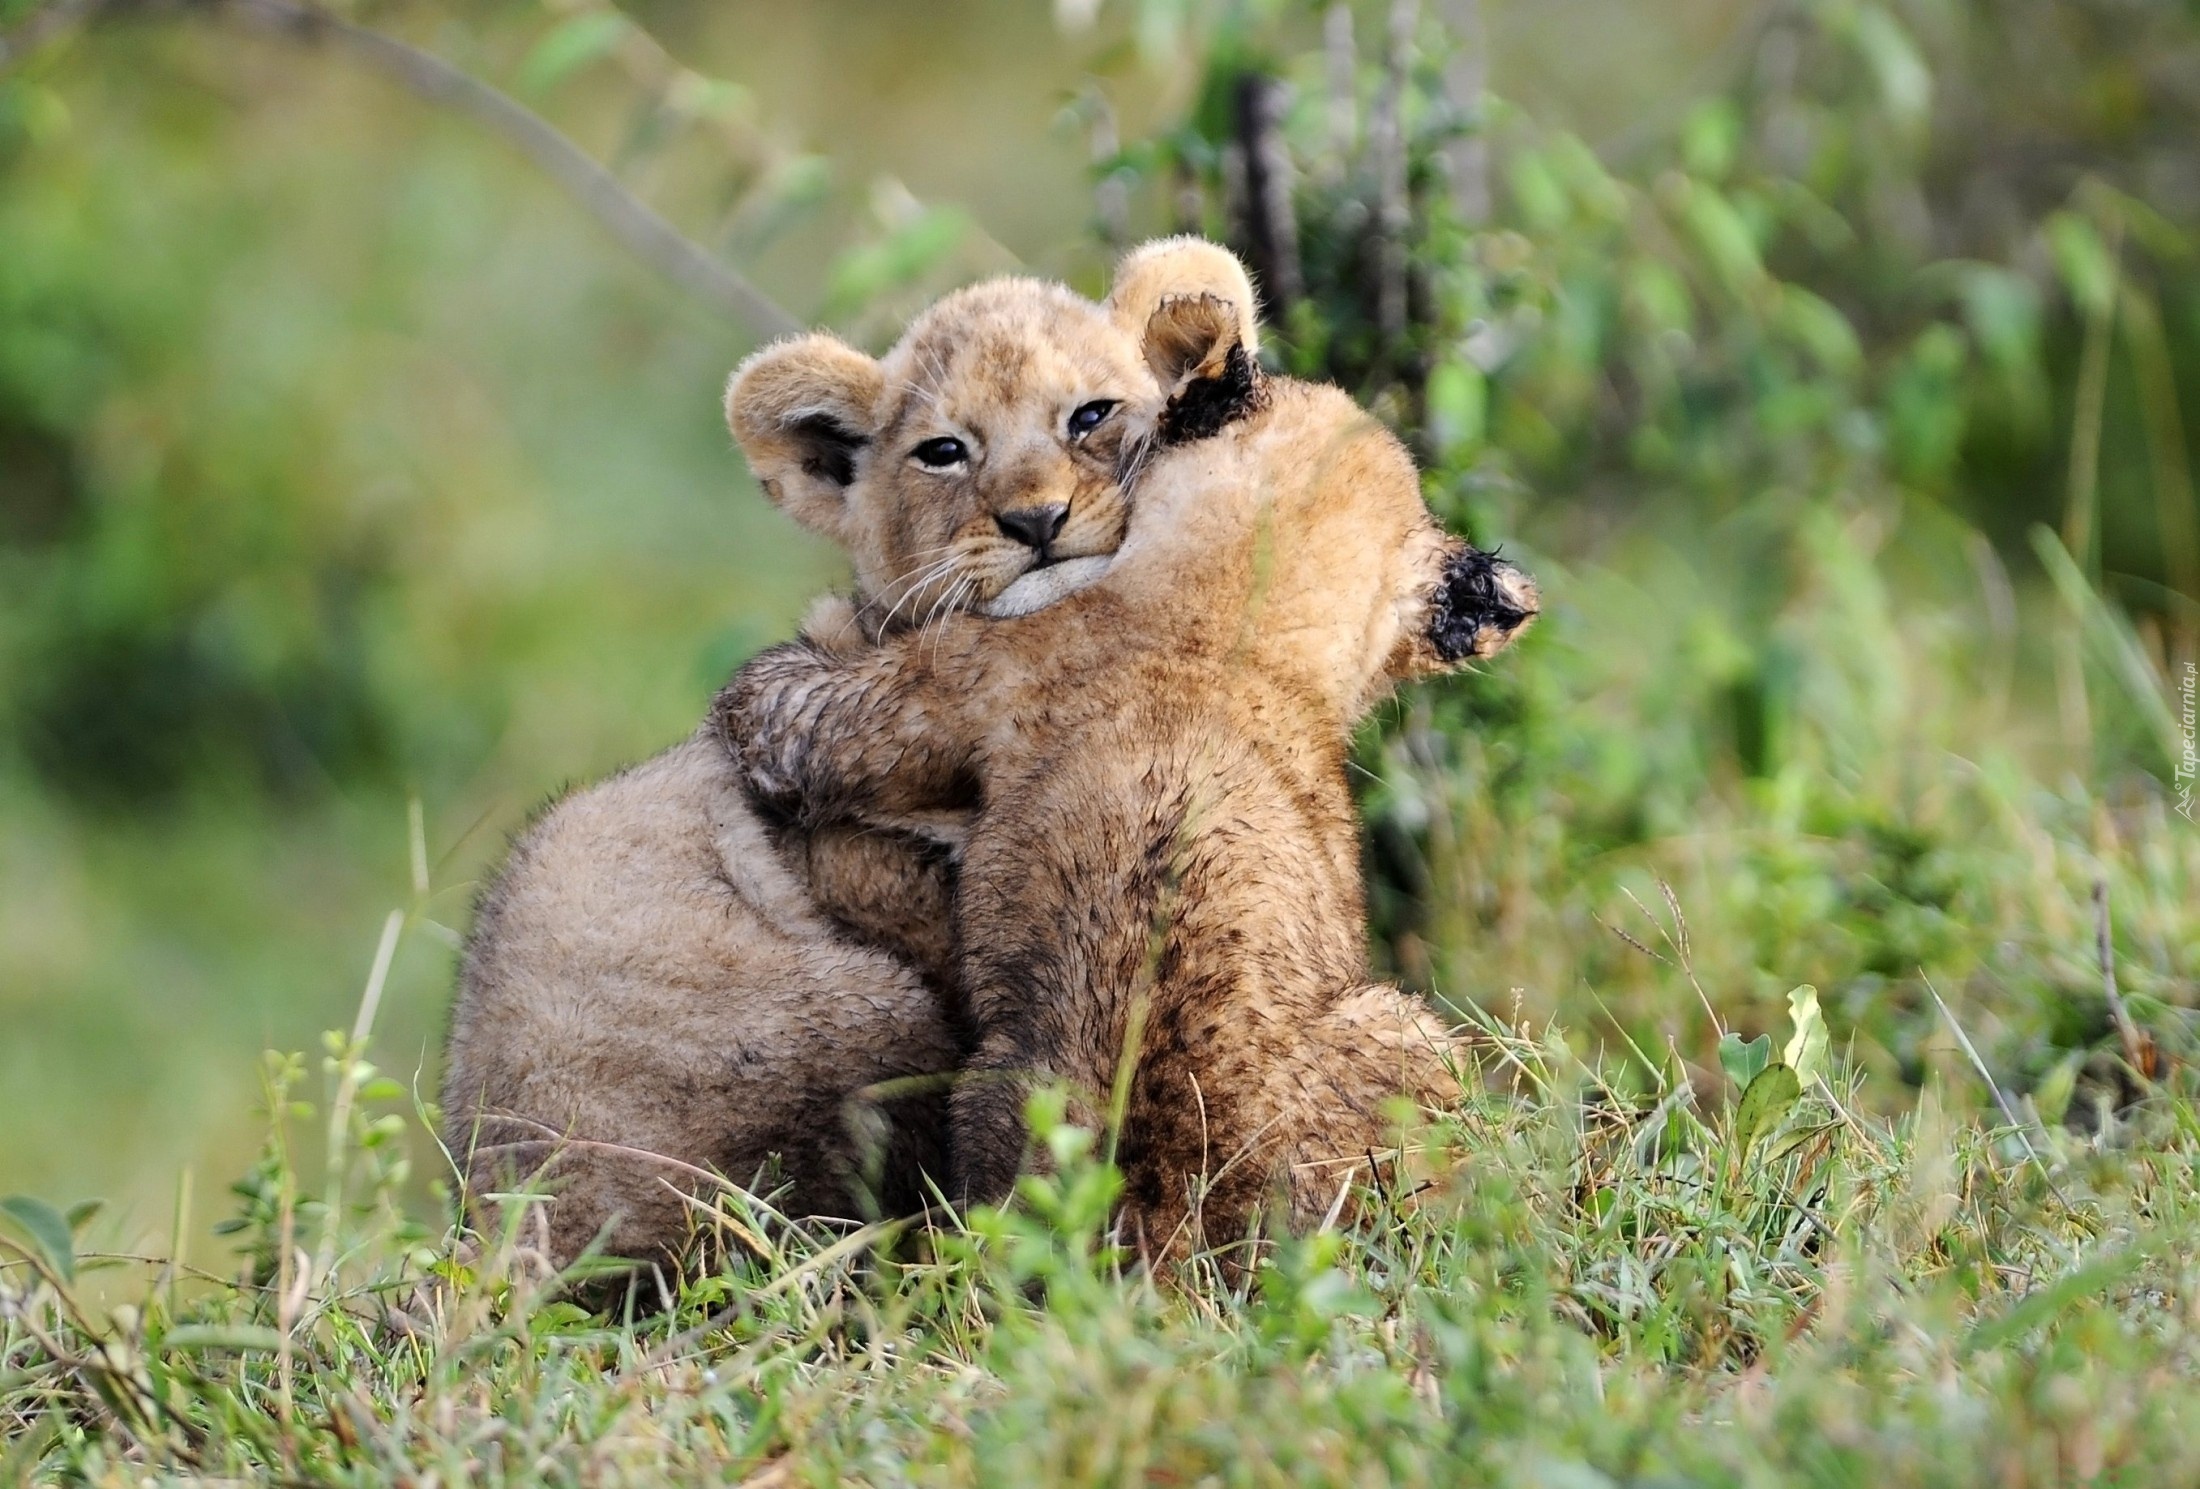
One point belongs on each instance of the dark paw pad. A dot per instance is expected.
(1481, 604)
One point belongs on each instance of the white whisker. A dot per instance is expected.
(912, 586)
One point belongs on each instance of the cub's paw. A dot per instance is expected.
(1481, 604)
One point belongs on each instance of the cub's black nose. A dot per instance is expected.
(1034, 527)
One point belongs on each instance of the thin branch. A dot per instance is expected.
(1466, 81)
(1386, 143)
(1272, 228)
(2008, 1111)
(629, 219)
(2104, 949)
(1342, 66)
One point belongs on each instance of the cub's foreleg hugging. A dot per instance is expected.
(1165, 847)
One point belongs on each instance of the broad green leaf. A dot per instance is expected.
(1742, 1059)
(1770, 1097)
(1591, 186)
(45, 1229)
(1807, 1046)
(570, 46)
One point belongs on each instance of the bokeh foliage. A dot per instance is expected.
(1846, 411)
(1842, 405)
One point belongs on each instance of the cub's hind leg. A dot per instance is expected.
(1371, 1048)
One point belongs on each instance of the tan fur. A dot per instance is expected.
(1167, 841)
(659, 971)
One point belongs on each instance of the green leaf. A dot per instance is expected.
(570, 46)
(1743, 1059)
(907, 254)
(1905, 82)
(81, 1213)
(1806, 1048)
(1458, 401)
(1821, 330)
(1660, 296)
(2051, 1097)
(2002, 308)
(2110, 632)
(1770, 1097)
(2086, 266)
(1722, 234)
(1710, 139)
(46, 1230)
(1537, 191)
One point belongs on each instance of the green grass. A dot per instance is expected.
(1581, 1288)
(390, 486)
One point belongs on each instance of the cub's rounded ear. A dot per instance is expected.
(1173, 269)
(802, 410)
(1205, 370)
(1190, 339)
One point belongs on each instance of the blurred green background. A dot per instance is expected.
(1833, 363)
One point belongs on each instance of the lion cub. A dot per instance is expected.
(661, 985)
(1167, 856)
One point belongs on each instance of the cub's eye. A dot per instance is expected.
(941, 453)
(1090, 416)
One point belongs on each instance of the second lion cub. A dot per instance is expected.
(661, 985)
(1164, 876)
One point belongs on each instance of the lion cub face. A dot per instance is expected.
(984, 447)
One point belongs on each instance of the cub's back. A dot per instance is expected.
(646, 973)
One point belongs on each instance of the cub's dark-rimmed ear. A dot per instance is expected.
(802, 411)
(1193, 345)
(1176, 268)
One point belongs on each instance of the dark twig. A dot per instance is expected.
(1272, 224)
(2017, 1124)
(1387, 144)
(1466, 80)
(629, 219)
(2103, 948)
(1111, 199)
